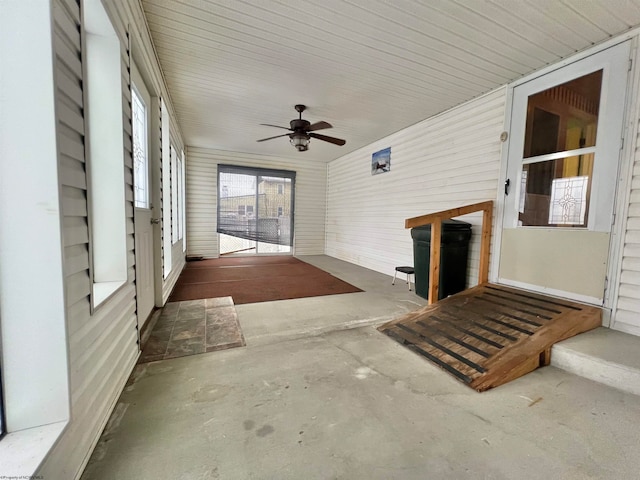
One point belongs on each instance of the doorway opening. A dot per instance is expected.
(565, 142)
(255, 211)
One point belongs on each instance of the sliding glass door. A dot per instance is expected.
(255, 210)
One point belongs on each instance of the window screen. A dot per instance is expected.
(256, 203)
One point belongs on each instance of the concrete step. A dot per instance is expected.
(602, 355)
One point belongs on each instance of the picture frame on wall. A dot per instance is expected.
(381, 161)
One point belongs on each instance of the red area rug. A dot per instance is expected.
(255, 279)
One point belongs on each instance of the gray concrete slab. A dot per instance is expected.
(311, 397)
(353, 404)
(268, 322)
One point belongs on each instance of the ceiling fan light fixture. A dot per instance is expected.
(302, 132)
(300, 141)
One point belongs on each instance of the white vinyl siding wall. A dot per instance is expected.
(310, 198)
(627, 313)
(102, 347)
(443, 162)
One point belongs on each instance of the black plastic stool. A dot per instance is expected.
(408, 271)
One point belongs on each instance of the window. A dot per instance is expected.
(280, 188)
(174, 195)
(559, 146)
(183, 198)
(140, 150)
(180, 200)
(166, 192)
(250, 208)
(104, 144)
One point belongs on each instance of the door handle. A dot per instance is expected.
(155, 221)
(507, 182)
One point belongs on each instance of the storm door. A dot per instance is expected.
(563, 152)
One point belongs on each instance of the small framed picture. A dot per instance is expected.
(381, 161)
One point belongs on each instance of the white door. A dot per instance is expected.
(565, 141)
(140, 103)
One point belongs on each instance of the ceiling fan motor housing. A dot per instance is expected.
(299, 124)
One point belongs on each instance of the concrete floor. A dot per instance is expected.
(310, 399)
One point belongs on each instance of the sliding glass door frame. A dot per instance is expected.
(258, 221)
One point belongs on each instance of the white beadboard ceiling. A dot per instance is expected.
(369, 67)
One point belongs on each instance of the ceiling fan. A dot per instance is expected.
(302, 132)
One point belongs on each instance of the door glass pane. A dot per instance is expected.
(237, 199)
(140, 154)
(564, 117)
(556, 192)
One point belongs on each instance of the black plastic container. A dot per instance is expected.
(454, 257)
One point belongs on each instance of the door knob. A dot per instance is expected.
(155, 221)
(507, 182)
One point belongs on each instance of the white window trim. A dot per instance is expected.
(183, 211)
(174, 195)
(166, 192)
(104, 144)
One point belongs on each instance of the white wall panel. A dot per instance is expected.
(447, 161)
(310, 198)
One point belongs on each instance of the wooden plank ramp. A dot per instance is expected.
(489, 335)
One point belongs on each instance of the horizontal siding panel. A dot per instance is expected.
(69, 87)
(71, 147)
(72, 118)
(626, 315)
(88, 429)
(76, 259)
(97, 375)
(67, 55)
(109, 319)
(631, 264)
(78, 286)
(72, 9)
(74, 202)
(76, 231)
(629, 304)
(630, 277)
(72, 173)
(632, 250)
(633, 223)
(66, 23)
(78, 315)
(634, 210)
(128, 148)
(629, 291)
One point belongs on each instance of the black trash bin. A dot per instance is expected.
(454, 256)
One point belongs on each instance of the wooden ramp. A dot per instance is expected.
(490, 334)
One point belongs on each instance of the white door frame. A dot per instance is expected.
(145, 300)
(624, 169)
